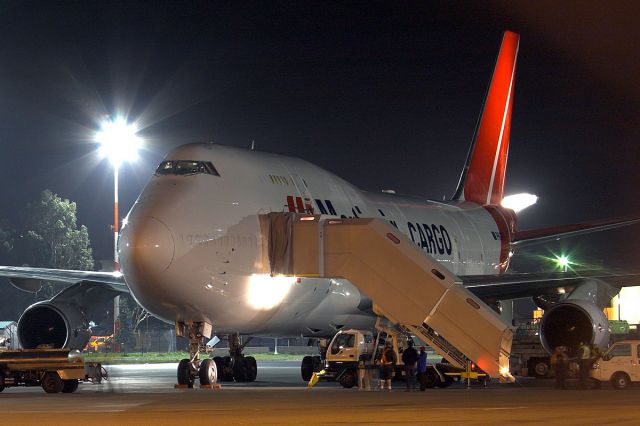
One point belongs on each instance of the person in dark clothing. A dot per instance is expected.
(387, 361)
(559, 361)
(422, 368)
(410, 360)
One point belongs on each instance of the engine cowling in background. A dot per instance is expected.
(58, 324)
(571, 322)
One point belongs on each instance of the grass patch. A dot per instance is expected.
(159, 357)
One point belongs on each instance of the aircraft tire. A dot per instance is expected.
(240, 370)
(252, 368)
(208, 372)
(184, 373)
(317, 363)
(306, 368)
(226, 374)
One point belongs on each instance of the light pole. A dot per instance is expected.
(119, 143)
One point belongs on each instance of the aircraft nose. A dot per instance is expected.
(146, 247)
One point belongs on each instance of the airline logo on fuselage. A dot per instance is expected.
(432, 238)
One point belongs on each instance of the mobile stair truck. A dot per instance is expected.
(349, 347)
(56, 370)
(407, 287)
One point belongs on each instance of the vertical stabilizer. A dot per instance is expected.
(482, 179)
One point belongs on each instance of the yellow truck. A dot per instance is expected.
(99, 344)
(56, 370)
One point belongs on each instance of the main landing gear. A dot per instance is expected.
(314, 364)
(236, 366)
(188, 369)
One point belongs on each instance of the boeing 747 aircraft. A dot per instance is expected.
(192, 252)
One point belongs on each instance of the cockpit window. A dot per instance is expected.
(186, 167)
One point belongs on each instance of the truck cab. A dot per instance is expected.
(619, 364)
(343, 354)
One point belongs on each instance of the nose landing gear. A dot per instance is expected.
(188, 369)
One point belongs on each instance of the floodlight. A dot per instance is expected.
(118, 141)
(519, 202)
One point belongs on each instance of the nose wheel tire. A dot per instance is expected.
(184, 373)
(208, 372)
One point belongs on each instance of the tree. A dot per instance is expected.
(125, 335)
(50, 238)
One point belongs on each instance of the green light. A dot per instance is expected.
(563, 262)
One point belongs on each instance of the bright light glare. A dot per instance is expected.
(118, 141)
(519, 202)
(562, 261)
(266, 292)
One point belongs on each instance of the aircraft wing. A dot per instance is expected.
(538, 236)
(28, 279)
(516, 285)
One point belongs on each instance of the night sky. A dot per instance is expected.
(385, 95)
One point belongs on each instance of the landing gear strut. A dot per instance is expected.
(188, 369)
(236, 366)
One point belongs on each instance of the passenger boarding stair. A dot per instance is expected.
(406, 285)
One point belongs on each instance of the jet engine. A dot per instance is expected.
(573, 321)
(53, 323)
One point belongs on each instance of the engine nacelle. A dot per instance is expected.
(571, 322)
(58, 324)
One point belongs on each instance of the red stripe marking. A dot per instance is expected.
(292, 208)
(492, 137)
(506, 223)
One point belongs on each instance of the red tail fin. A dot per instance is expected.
(482, 179)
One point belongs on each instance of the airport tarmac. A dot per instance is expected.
(144, 395)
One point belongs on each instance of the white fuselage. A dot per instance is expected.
(191, 246)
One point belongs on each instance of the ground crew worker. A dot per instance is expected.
(387, 361)
(559, 361)
(422, 368)
(364, 379)
(584, 354)
(410, 358)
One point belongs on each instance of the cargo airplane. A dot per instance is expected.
(192, 252)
